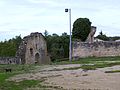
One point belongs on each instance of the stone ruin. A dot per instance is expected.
(32, 50)
(90, 38)
(95, 49)
(9, 60)
(90, 48)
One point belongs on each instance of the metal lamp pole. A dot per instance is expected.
(70, 44)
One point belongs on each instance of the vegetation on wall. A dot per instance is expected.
(81, 28)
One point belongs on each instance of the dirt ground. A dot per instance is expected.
(74, 79)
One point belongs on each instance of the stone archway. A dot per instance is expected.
(37, 58)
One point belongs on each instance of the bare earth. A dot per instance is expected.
(74, 79)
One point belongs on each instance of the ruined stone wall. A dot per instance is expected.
(97, 49)
(20, 53)
(9, 60)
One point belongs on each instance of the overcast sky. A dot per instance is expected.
(26, 16)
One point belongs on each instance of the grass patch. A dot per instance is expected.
(72, 62)
(91, 63)
(88, 67)
(72, 68)
(114, 71)
(10, 85)
(89, 60)
(23, 85)
(16, 69)
(101, 65)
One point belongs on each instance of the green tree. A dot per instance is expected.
(9, 48)
(101, 33)
(81, 28)
(46, 33)
(114, 38)
(58, 46)
(103, 36)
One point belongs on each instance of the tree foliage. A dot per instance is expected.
(114, 38)
(106, 38)
(9, 48)
(81, 28)
(58, 46)
(46, 33)
(103, 36)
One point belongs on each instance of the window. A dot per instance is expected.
(31, 51)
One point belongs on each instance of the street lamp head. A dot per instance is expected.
(66, 10)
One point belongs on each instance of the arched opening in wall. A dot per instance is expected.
(37, 57)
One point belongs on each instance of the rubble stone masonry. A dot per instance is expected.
(97, 49)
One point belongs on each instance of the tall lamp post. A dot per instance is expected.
(70, 44)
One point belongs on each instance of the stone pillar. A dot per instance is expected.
(90, 38)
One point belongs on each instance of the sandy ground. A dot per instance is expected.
(74, 79)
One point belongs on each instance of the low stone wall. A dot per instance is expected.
(97, 49)
(9, 60)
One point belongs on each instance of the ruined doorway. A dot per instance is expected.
(37, 58)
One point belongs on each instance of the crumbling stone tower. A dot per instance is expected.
(90, 38)
(33, 49)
